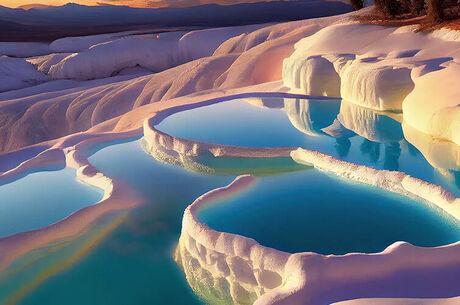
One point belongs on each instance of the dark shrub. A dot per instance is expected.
(405, 6)
(389, 8)
(392, 7)
(417, 7)
(357, 4)
(379, 6)
(435, 10)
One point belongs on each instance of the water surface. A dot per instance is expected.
(42, 198)
(126, 257)
(336, 128)
(311, 211)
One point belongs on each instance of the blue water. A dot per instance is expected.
(132, 264)
(125, 257)
(42, 198)
(234, 123)
(238, 123)
(311, 211)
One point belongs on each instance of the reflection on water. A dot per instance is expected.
(312, 116)
(132, 262)
(203, 162)
(42, 198)
(336, 128)
(126, 257)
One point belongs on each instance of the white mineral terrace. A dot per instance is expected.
(110, 89)
(227, 266)
(253, 272)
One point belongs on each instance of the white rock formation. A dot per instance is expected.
(80, 43)
(16, 73)
(382, 68)
(433, 107)
(393, 181)
(44, 63)
(155, 52)
(105, 59)
(234, 269)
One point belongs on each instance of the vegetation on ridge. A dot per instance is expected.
(429, 14)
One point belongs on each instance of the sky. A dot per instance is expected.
(133, 3)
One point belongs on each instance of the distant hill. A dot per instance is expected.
(33, 5)
(72, 19)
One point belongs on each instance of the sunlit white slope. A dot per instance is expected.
(386, 69)
(433, 107)
(157, 52)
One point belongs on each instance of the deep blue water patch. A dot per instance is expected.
(311, 211)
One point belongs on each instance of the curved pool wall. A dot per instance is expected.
(292, 285)
(214, 159)
(232, 265)
(151, 230)
(50, 197)
(238, 270)
(337, 128)
(71, 151)
(188, 153)
(135, 246)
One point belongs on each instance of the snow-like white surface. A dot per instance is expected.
(384, 68)
(239, 269)
(17, 73)
(203, 43)
(80, 43)
(433, 107)
(105, 59)
(108, 55)
(44, 63)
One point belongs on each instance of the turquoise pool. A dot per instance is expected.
(311, 211)
(130, 264)
(42, 198)
(125, 257)
(343, 130)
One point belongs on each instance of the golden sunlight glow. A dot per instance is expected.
(26, 4)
